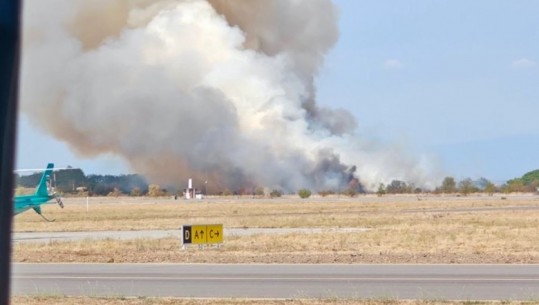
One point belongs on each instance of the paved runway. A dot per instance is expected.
(463, 282)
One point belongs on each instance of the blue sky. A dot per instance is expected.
(455, 80)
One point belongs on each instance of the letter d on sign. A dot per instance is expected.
(186, 234)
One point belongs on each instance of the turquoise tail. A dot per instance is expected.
(43, 188)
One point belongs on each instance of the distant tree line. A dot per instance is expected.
(66, 180)
(466, 186)
(74, 181)
(101, 185)
(528, 183)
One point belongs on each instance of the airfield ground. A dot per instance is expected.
(50, 300)
(402, 229)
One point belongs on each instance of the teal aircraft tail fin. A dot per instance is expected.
(42, 188)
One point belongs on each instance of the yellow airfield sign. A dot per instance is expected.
(215, 234)
(198, 234)
(203, 234)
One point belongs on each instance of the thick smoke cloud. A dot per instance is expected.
(215, 90)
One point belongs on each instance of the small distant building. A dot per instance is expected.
(192, 193)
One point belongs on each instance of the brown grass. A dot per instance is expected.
(439, 230)
(49, 300)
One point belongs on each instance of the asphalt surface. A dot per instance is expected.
(447, 282)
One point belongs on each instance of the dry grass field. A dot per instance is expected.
(402, 229)
(50, 300)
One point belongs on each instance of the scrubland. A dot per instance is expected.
(402, 229)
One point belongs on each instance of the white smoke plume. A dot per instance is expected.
(217, 90)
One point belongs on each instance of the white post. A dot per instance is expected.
(87, 202)
(190, 189)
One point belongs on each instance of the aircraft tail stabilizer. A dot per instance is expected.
(42, 188)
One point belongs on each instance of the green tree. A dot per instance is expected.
(486, 186)
(533, 186)
(467, 186)
(104, 184)
(490, 188)
(449, 185)
(481, 183)
(67, 180)
(530, 177)
(276, 193)
(304, 193)
(529, 182)
(399, 187)
(381, 190)
(514, 185)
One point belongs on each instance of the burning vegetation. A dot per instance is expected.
(218, 91)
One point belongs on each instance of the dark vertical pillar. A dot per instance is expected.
(10, 16)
